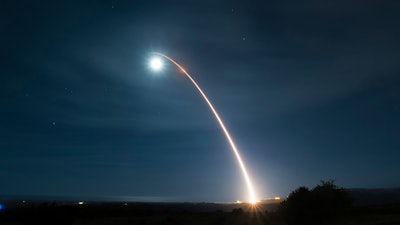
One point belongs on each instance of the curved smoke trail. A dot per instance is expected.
(228, 136)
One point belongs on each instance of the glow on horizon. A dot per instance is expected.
(250, 188)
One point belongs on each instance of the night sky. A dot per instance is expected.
(310, 91)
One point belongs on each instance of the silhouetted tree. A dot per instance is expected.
(296, 208)
(323, 203)
(329, 201)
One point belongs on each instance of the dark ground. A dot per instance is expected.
(68, 213)
(133, 213)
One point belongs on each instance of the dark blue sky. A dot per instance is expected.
(309, 90)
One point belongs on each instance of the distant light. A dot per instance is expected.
(238, 201)
(277, 198)
(81, 203)
(1, 207)
(156, 64)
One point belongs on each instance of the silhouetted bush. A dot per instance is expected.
(237, 211)
(323, 203)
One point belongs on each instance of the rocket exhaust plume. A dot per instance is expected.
(228, 136)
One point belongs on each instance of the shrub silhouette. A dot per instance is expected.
(237, 211)
(323, 203)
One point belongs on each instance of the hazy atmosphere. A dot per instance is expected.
(309, 91)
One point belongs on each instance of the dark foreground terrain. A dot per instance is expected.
(42, 213)
(133, 213)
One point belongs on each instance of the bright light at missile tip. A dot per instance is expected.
(156, 64)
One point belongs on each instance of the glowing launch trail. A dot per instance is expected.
(228, 136)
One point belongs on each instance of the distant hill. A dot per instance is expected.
(375, 196)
